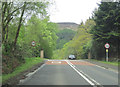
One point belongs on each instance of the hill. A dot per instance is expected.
(64, 36)
(68, 25)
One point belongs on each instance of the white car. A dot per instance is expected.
(71, 57)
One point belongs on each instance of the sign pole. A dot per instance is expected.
(107, 55)
(107, 46)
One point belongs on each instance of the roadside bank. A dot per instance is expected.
(20, 72)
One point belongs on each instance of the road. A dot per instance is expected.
(71, 72)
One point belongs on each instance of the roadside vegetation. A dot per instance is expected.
(29, 63)
(64, 36)
(22, 23)
(111, 63)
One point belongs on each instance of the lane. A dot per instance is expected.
(81, 74)
(100, 75)
(55, 73)
(71, 72)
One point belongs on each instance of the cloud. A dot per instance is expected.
(72, 10)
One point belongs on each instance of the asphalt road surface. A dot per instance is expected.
(71, 72)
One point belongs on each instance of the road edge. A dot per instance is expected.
(15, 80)
(103, 65)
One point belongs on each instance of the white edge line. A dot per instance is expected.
(91, 83)
(91, 79)
(86, 75)
(106, 69)
(29, 75)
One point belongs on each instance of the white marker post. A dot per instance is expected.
(107, 46)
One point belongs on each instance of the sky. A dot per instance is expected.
(72, 10)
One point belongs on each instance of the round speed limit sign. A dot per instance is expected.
(33, 43)
(107, 45)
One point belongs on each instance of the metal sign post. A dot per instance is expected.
(107, 55)
(107, 46)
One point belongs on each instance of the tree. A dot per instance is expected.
(43, 33)
(14, 18)
(106, 29)
(64, 36)
(15, 12)
(78, 44)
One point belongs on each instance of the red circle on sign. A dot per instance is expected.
(107, 45)
(33, 43)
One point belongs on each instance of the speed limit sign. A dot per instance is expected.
(33, 43)
(107, 45)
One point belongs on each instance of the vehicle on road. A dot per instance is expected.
(71, 57)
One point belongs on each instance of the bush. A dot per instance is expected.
(11, 59)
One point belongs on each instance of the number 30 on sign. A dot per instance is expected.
(33, 43)
(107, 45)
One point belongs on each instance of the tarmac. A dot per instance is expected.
(107, 66)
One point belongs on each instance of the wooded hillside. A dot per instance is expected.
(67, 25)
(64, 36)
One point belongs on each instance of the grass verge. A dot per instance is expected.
(30, 62)
(112, 63)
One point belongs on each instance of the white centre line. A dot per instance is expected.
(89, 81)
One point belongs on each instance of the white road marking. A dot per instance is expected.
(104, 67)
(90, 78)
(107, 69)
(80, 73)
(84, 75)
(56, 62)
(30, 74)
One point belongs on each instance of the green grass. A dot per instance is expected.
(0, 79)
(112, 63)
(30, 62)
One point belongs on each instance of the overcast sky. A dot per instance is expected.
(72, 10)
